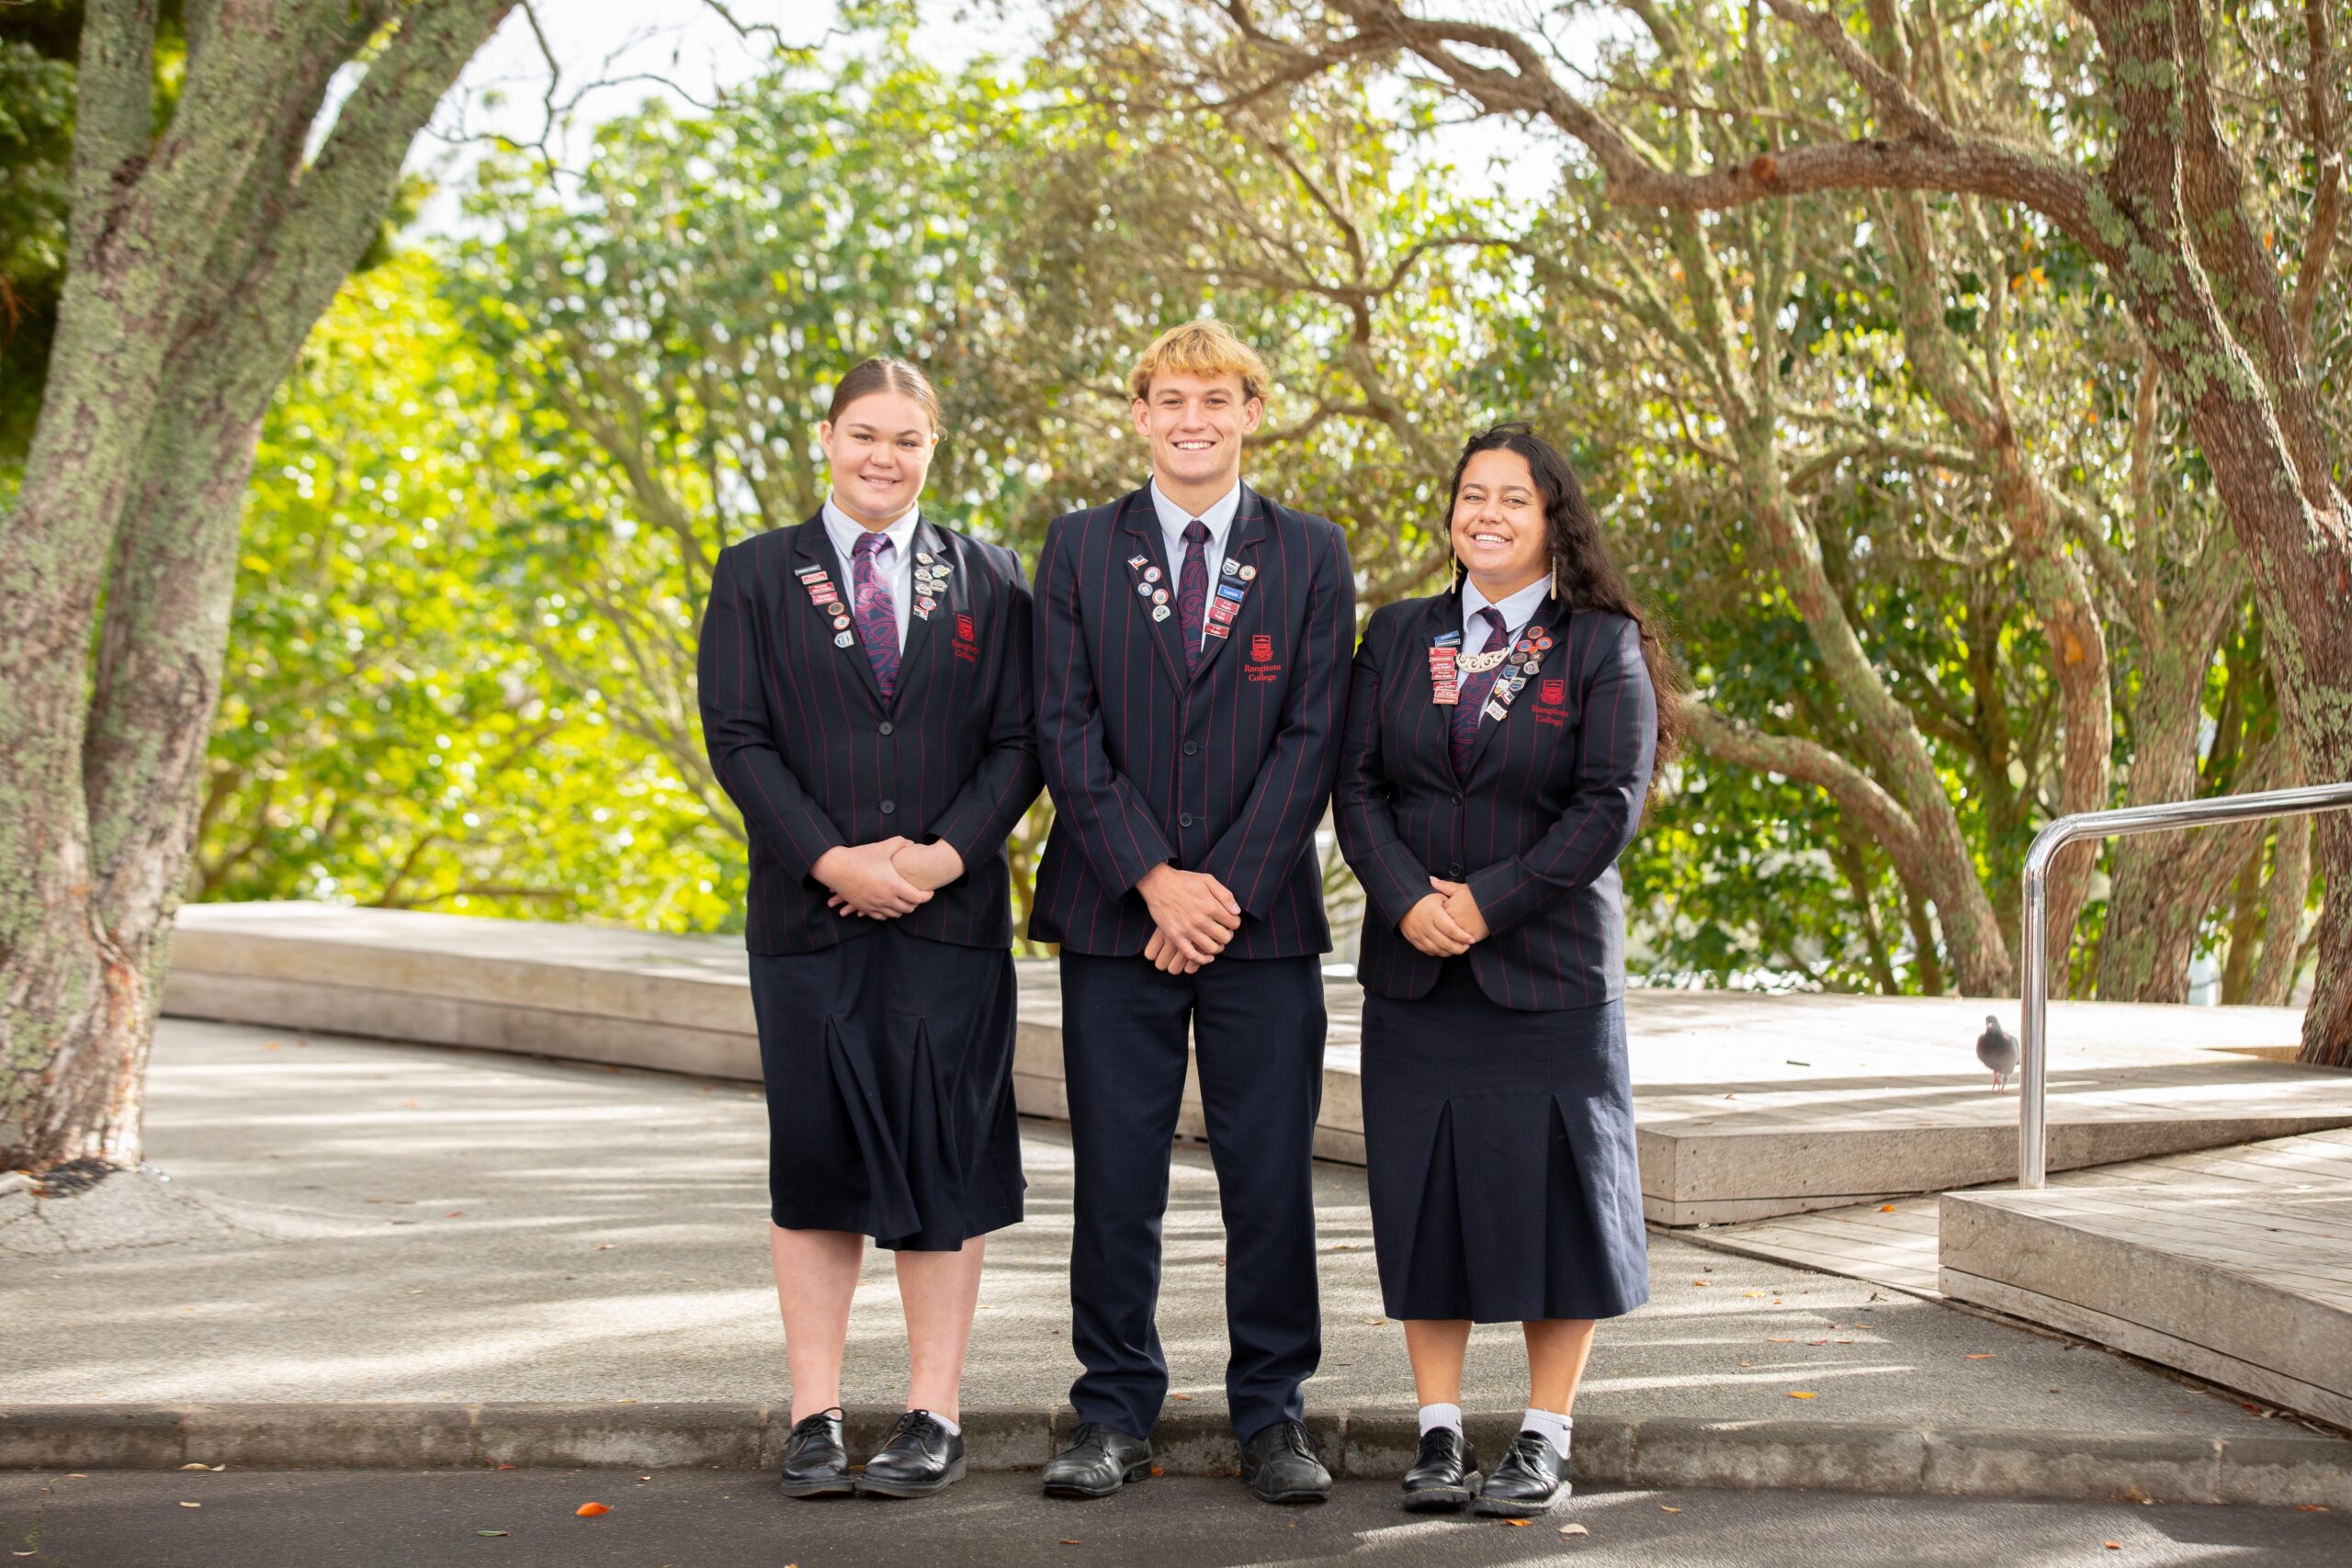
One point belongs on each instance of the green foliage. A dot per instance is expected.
(389, 733)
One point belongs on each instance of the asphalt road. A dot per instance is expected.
(730, 1519)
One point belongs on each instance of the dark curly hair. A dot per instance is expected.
(1583, 575)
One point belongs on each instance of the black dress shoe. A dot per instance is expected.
(1099, 1461)
(922, 1458)
(1531, 1479)
(816, 1463)
(1440, 1480)
(1280, 1465)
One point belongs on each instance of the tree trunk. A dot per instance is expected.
(199, 259)
(2150, 937)
(2282, 920)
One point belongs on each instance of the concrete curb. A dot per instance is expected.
(1652, 1453)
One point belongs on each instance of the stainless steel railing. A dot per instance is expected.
(2033, 978)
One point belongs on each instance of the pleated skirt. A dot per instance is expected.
(889, 1089)
(1500, 1155)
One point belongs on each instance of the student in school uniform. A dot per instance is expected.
(1499, 747)
(866, 694)
(1192, 641)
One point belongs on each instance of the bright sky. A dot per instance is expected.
(682, 49)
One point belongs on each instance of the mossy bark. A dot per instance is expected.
(200, 258)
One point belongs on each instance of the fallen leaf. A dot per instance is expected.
(505, 1466)
(1800, 1393)
(455, 1214)
(1516, 1524)
(2112, 1545)
(1574, 1529)
(1373, 1319)
(2136, 1496)
(1984, 1355)
(1664, 1509)
(196, 1467)
(1886, 1208)
(1701, 1284)
(493, 1532)
(1158, 1470)
(590, 1510)
(1180, 1396)
(191, 1504)
(604, 1246)
(1069, 1540)
(2313, 1509)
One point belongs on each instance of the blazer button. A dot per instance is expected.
(1191, 748)
(1185, 820)
(1453, 873)
(888, 807)
(888, 727)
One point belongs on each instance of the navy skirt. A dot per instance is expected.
(889, 1087)
(1499, 1148)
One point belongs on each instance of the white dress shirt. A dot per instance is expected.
(894, 562)
(1518, 609)
(1174, 519)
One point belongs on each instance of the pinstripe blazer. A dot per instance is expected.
(1554, 793)
(800, 738)
(1227, 773)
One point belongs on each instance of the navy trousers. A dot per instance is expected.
(1258, 1027)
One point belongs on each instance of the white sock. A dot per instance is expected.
(954, 1429)
(1436, 1415)
(1552, 1429)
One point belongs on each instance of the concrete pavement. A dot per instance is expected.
(379, 1519)
(348, 1220)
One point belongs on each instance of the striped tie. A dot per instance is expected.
(1472, 702)
(1193, 592)
(878, 618)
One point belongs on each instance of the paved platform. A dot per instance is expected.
(1748, 1106)
(518, 1245)
(2234, 1265)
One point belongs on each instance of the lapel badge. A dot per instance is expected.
(1151, 574)
(1159, 595)
(1249, 574)
(1160, 611)
(842, 639)
(1233, 568)
(1138, 563)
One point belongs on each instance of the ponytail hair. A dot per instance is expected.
(884, 374)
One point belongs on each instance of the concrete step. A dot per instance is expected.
(2244, 1283)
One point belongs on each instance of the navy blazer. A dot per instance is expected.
(1228, 772)
(801, 741)
(1554, 793)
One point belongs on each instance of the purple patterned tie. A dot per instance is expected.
(878, 618)
(1193, 592)
(1472, 702)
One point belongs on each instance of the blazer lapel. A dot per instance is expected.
(1137, 517)
(1432, 722)
(812, 547)
(1251, 523)
(1553, 618)
(916, 659)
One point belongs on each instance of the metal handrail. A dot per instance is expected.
(2033, 977)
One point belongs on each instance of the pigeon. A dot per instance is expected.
(1997, 1049)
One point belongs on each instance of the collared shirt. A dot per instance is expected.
(1174, 519)
(894, 561)
(1518, 609)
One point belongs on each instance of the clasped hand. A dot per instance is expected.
(887, 878)
(1194, 914)
(1446, 922)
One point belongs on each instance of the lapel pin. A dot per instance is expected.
(1160, 611)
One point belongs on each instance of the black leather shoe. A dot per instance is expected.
(922, 1458)
(1532, 1478)
(1280, 1466)
(1443, 1476)
(1099, 1461)
(816, 1462)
